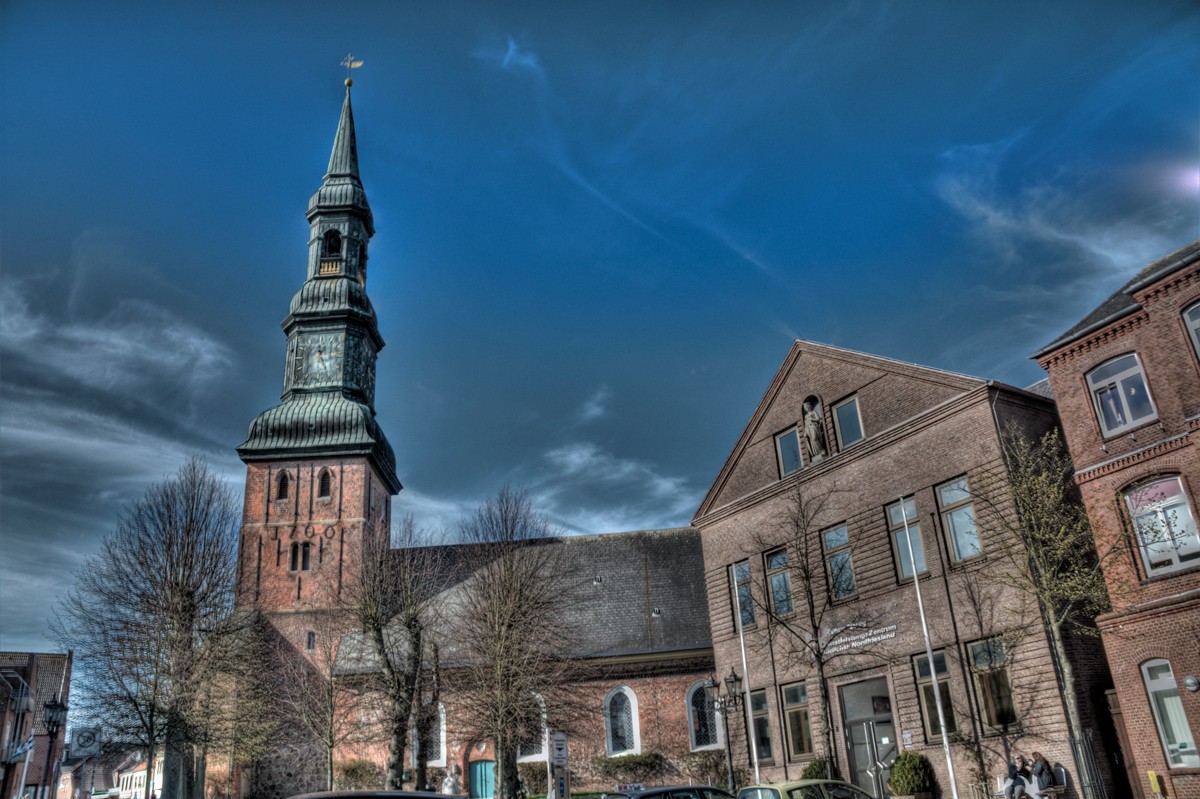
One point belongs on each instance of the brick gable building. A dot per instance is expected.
(882, 453)
(1127, 382)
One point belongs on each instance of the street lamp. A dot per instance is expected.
(723, 704)
(54, 715)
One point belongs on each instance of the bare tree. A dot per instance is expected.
(427, 726)
(392, 606)
(806, 626)
(148, 617)
(1048, 551)
(509, 615)
(315, 700)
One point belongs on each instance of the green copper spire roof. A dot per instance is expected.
(344, 158)
(342, 190)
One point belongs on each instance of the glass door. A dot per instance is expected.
(870, 734)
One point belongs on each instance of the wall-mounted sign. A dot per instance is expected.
(858, 640)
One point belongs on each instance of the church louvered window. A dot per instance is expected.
(281, 488)
(333, 243)
(324, 484)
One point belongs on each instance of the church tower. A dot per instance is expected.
(320, 472)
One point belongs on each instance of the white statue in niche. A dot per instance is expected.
(814, 430)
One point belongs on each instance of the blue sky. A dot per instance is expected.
(600, 225)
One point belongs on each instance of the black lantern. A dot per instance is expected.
(54, 716)
(733, 684)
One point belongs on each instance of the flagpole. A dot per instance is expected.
(937, 693)
(749, 719)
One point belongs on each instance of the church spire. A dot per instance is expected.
(343, 161)
(333, 338)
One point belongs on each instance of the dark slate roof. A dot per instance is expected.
(1122, 302)
(622, 578)
(1041, 388)
(319, 425)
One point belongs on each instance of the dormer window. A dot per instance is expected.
(324, 485)
(1120, 395)
(281, 487)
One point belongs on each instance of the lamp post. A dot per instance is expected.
(723, 704)
(54, 713)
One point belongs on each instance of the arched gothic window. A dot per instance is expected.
(703, 720)
(435, 744)
(324, 484)
(294, 560)
(622, 735)
(333, 243)
(534, 750)
(281, 487)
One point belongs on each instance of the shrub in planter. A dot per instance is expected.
(356, 774)
(911, 775)
(816, 770)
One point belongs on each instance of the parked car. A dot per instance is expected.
(804, 789)
(378, 795)
(672, 792)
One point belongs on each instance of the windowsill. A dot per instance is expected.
(1124, 431)
(1167, 575)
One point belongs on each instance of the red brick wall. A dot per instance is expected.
(1153, 615)
(334, 527)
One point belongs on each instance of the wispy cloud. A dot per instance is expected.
(596, 405)
(516, 58)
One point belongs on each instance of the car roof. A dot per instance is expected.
(378, 794)
(664, 788)
(788, 785)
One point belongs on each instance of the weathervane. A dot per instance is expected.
(349, 63)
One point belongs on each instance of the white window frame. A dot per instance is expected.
(441, 722)
(1191, 318)
(837, 425)
(707, 688)
(1141, 502)
(802, 709)
(925, 699)
(834, 552)
(794, 432)
(897, 529)
(1110, 386)
(779, 574)
(950, 508)
(1167, 685)
(635, 726)
(539, 757)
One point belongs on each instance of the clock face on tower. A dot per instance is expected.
(318, 359)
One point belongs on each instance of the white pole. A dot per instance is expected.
(25, 769)
(937, 693)
(737, 616)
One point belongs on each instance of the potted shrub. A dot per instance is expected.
(912, 776)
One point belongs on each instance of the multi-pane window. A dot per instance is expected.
(902, 521)
(1191, 317)
(742, 598)
(847, 422)
(837, 561)
(933, 730)
(433, 744)
(620, 722)
(796, 721)
(534, 749)
(1119, 392)
(779, 582)
(1173, 729)
(989, 667)
(787, 450)
(958, 516)
(1165, 526)
(762, 726)
(704, 730)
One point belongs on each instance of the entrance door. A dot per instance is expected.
(481, 779)
(870, 734)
